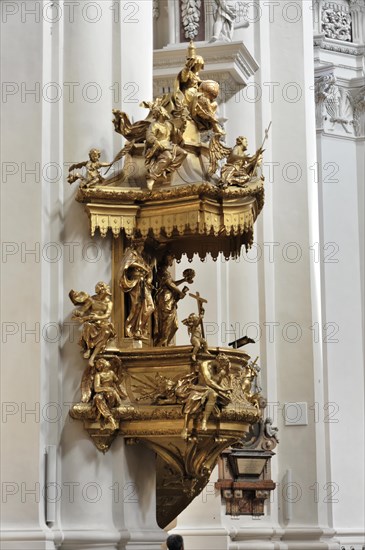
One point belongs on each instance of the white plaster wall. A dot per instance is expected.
(22, 463)
(343, 314)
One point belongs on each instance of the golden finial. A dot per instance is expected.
(191, 49)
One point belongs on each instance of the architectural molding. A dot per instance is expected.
(338, 46)
(29, 539)
(351, 539)
(310, 538)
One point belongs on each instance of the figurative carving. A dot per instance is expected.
(206, 390)
(336, 24)
(92, 166)
(229, 15)
(204, 107)
(166, 298)
(94, 313)
(160, 389)
(240, 167)
(251, 383)
(101, 391)
(136, 280)
(270, 430)
(163, 155)
(224, 19)
(196, 328)
(108, 392)
(198, 95)
(188, 80)
(173, 135)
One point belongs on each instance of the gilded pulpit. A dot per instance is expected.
(175, 188)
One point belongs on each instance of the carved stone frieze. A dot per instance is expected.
(336, 22)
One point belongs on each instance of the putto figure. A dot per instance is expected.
(92, 167)
(240, 167)
(208, 389)
(195, 331)
(94, 313)
(136, 280)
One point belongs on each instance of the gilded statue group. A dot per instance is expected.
(152, 297)
(170, 137)
(152, 294)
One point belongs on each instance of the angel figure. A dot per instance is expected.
(167, 296)
(94, 313)
(135, 279)
(208, 389)
(204, 107)
(163, 154)
(240, 167)
(92, 166)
